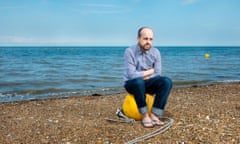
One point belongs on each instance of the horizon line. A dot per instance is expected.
(117, 46)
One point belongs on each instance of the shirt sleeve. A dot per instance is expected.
(130, 65)
(157, 65)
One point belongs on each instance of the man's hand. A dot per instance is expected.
(148, 73)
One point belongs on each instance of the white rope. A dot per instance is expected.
(124, 119)
(154, 133)
(120, 120)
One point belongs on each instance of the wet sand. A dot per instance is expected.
(202, 114)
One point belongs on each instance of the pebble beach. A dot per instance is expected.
(202, 114)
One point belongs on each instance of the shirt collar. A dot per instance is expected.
(142, 52)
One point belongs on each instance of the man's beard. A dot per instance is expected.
(145, 47)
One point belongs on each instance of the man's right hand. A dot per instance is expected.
(148, 73)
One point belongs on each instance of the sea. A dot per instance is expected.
(41, 72)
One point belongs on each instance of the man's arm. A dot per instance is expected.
(157, 68)
(158, 64)
(148, 73)
(130, 66)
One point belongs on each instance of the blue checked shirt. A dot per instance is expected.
(137, 61)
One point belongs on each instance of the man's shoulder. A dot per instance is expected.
(154, 49)
(132, 48)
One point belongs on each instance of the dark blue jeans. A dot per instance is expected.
(160, 86)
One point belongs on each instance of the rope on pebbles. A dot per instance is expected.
(125, 119)
(154, 133)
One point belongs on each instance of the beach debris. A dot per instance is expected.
(180, 142)
(95, 94)
(207, 117)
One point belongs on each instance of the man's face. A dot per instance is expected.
(145, 40)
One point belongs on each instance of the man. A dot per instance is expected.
(143, 75)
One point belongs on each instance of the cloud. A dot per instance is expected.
(188, 2)
(98, 5)
(99, 8)
(15, 39)
(7, 7)
(236, 28)
(136, 1)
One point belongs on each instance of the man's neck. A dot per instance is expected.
(142, 49)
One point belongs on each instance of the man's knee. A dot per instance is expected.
(168, 82)
(165, 81)
(136, 82)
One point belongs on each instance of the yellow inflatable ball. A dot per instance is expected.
(130, 108)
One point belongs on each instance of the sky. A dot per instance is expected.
(115, 22)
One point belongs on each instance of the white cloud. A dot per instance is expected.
(11, 6)
(136, 1)
(98, 5)
(99, 11)
(236, 28)
(7, 7)
(99, 8)
(15, 39)
(187, 2)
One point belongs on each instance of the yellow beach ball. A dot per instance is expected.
(130, 108)
(207, 56)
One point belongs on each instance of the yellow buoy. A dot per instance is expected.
(207, 55)
(130, 108)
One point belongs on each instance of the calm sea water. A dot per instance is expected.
(28, 73)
